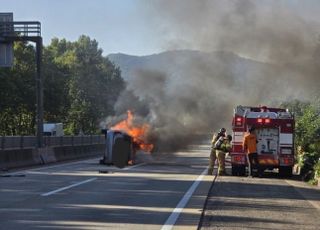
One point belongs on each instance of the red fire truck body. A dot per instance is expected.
(274, 128)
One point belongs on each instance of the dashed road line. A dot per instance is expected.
(68, 187)
(168, 225)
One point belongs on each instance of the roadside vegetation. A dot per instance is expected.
(307, 137)
(80, 87)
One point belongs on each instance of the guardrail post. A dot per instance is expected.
(72, 140)
(90, 139)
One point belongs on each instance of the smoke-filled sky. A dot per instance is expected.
(190, 94)
(267, 31)
(280, 40)
(264, 30)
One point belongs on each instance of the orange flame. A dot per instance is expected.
(138, 133)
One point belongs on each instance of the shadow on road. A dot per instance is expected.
(113, 200)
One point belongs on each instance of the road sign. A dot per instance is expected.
(6, 48)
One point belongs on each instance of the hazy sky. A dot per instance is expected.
(117, 25)
(126, 26)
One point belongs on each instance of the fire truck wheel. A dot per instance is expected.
(285, 171)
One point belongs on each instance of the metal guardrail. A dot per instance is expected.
(21, 142)
(21, 29)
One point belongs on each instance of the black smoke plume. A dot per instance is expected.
(249, 53)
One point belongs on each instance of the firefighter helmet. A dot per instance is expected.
(222, 130)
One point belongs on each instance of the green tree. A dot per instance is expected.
(307, 135)
(57, 62)
(80, 87)
(296, 106)
(93, 88)
(17, 115)
(308, 129)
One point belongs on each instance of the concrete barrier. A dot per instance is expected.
(63, 153)
(17, 158)
(47, 155)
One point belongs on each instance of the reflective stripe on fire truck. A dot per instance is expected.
(286, 138)
(268, 161)
(238, 137)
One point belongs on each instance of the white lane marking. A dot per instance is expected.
(67, 187)
(82, 182)
(185, 199)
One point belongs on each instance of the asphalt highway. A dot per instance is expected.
(162, 191)
(262, 203)
(167, 191)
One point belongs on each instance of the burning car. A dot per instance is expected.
(123, 140)
(119, 149)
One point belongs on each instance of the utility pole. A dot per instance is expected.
(39, 119)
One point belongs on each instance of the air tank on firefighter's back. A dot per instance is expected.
(118, 149)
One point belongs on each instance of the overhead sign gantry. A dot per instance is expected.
(11, 31)
(6, 48)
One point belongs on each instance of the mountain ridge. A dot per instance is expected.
(165, 61)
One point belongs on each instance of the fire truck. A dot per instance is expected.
(274, 129)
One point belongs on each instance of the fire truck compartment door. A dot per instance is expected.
(268, 140)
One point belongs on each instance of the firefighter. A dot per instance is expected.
(213, 154)
(221, 151)
(250, 147)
